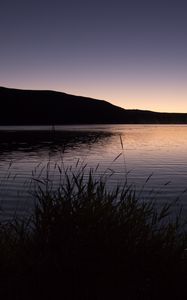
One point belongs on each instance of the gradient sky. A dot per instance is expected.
(131, 53)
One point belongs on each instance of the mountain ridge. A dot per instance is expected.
(47, 107)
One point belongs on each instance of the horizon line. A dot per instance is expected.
(89, 97)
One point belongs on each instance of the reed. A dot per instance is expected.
(85, 241)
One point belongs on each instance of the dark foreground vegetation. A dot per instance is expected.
(32, 107)
(84, 241)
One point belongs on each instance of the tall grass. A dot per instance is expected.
(85, 241)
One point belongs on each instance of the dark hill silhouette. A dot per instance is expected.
(31, 107)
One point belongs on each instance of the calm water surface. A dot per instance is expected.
(156, 150)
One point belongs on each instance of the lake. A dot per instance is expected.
(128, 152)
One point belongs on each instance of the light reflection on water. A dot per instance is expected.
(160, 150)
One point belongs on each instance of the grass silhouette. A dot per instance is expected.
(86, 241)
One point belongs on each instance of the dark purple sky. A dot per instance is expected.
(132, 53)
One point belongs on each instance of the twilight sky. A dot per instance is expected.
(132, 53)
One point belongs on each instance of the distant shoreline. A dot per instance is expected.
(48, 108)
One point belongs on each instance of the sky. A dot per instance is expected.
(131, 53)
